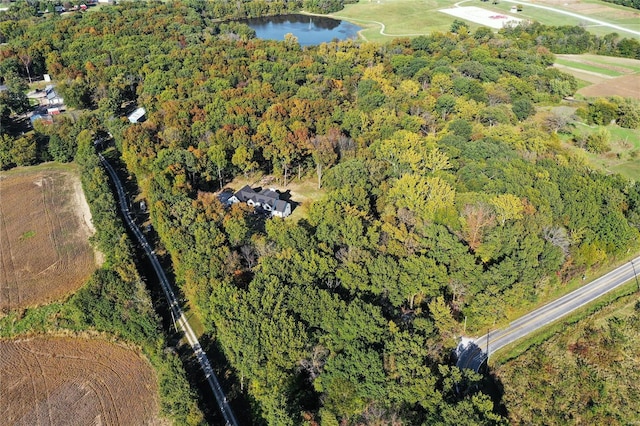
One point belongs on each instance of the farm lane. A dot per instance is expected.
(172, 300)
(472, 354)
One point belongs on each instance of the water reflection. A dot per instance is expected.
(310, 30)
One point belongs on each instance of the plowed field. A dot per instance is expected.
(73, 381)
(608, 76)
(44, 229)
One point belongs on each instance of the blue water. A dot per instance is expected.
(310, 30)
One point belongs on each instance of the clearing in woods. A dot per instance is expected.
(63, 381)
(45, 226)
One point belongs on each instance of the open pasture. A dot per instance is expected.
(45, 226)
(65, 381)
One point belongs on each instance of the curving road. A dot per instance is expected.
(473, 353)
(176, 311)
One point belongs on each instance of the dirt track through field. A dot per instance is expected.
(44, 230)
(64, 381)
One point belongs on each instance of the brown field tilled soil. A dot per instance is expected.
(627, 86)
(44, 230)
(72, 381)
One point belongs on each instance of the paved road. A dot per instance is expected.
(176, 311)
(473, 353)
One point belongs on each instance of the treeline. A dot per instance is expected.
(447, 196)
(115, 300)
(629, 3)
(572, 39)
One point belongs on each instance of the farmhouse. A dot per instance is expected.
(267, 199)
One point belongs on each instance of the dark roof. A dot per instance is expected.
(280, 206)
(266, 196)
(245, 193)
(269, 193)
(51, 94)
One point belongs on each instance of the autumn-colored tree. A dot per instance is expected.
(476, 219)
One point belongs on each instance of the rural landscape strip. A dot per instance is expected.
(474, 356)
(176, 311)
(576, 15)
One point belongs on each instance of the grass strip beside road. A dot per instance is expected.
(548, 295)
(536, 338)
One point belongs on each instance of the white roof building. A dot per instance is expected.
(136, 115)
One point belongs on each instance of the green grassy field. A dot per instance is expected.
(605, 65)
(628, 65)
(608, 12)
(401, 18)
(384, 19)
(589, 67)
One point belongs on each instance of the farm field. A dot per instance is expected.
(605, 75)
(626, 86)
(45, 226)
(385, 19)
(63, 381)
(597, 9)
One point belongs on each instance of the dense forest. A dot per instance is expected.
(447, 197)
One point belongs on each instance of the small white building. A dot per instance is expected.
(136, 116)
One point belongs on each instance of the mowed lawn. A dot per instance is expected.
(401, 18)
(410, 18)
(594, 9)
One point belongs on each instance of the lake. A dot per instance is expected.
(310, 30)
